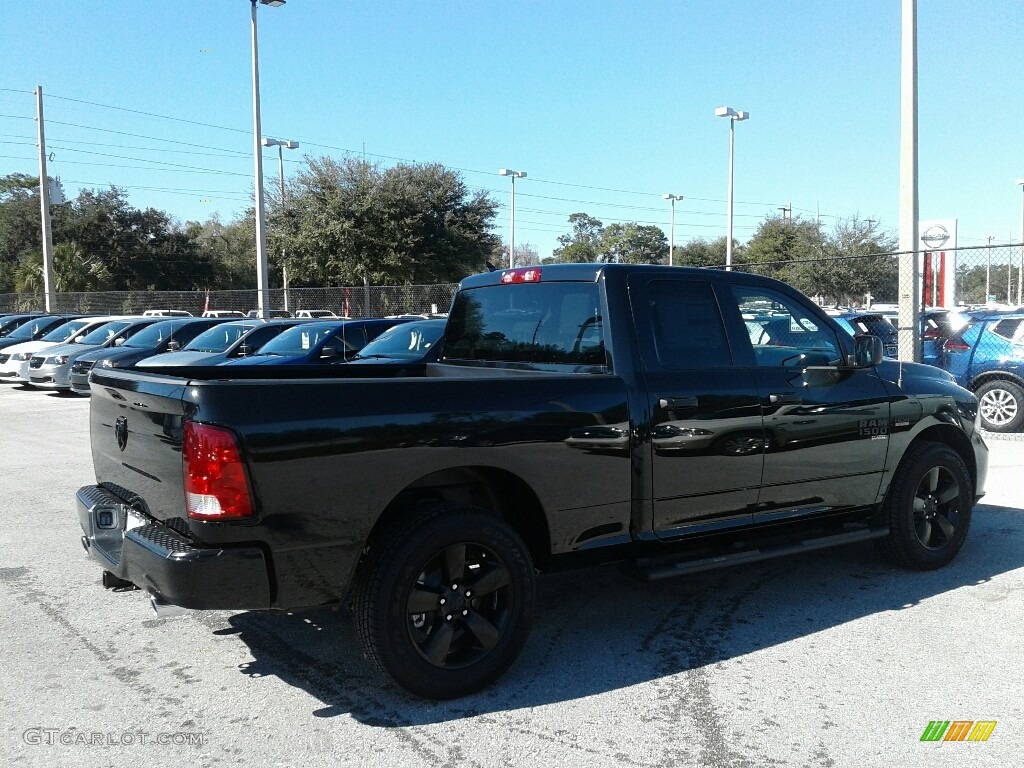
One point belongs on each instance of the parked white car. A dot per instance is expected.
(14, 360)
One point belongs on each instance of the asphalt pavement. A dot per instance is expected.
(833, 658)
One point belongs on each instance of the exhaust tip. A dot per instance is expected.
(163, 609)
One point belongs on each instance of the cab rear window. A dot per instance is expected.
(557, 322)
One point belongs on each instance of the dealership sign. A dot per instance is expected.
(937, 264)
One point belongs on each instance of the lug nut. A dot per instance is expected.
(449, 617)
(465, 612)
(469, 593)
(442, 601)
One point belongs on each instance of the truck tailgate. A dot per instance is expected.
(135, 428)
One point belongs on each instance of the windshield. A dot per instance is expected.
(27, 331)
(219, 338)
(300, 339)
(153, 336)
(10, 322)
(104, 333)
(66, 331)
(876, 325)
(409, 341)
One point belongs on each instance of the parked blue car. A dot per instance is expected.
(987, 356)
(225, 341)
(937, 325)
(415, 342)
(856, 322)
(318, 341)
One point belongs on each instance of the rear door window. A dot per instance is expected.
(686, 325)
(1007, 328)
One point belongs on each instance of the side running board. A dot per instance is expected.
(651, 569)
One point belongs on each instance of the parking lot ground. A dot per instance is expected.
(833, 658)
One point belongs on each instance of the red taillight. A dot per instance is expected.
(953, 344)
(930, 334)
(216, 487)
(521, 275)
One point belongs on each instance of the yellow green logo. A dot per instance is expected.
(958, 730)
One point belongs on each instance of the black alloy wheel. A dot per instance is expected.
(460, 605)
(928, 507)
(937, 508)
(443, 601)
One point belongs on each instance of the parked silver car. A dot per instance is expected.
(14, 360)
(51, 368)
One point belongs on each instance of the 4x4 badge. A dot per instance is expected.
(121, 431)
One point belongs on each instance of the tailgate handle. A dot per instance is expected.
(678, 402)
(785, 398)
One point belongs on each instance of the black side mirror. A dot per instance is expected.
(868, 351)
(244, 350)
(328, 352)
(173, 346)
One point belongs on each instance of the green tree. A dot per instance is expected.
(20, 228)
(73, 271)
(352, 220)
(854, 261)
(700, 253)
(584, 244)
(141, 249)
(230, 248)
(633, 243)
(778, 244)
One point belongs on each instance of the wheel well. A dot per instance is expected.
(996, 376)
(955, 439)
(495, 490)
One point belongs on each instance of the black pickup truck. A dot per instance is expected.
(669, 419)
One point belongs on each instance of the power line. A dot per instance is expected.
(147, 114)
(145, 160)
(348, 151)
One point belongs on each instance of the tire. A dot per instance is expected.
(928, 507)
(1001, 403)
(434, 640)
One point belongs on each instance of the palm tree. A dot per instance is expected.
(73, 271)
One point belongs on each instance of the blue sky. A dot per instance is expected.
(606, 105)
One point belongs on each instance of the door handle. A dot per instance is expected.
(785, 398)
(678, 402)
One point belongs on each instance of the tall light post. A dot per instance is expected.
(282, 144)
(733, 116)
(512, 206)
(262, 298)
(1020, 272)
(988, 268)
(672, 226)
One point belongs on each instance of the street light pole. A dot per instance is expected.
(672, 226)
(988, 268)
(512, 205)
(262, 298)
(282, 144)
(733, 116)
(1020, 272)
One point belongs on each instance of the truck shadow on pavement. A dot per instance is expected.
(597, 630)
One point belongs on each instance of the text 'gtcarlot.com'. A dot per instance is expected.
(72, 737)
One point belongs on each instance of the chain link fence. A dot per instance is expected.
(970, 304)
(361, 301)
(971, 318)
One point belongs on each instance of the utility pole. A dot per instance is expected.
(909, 272)
(787, 212)
(44, 204)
